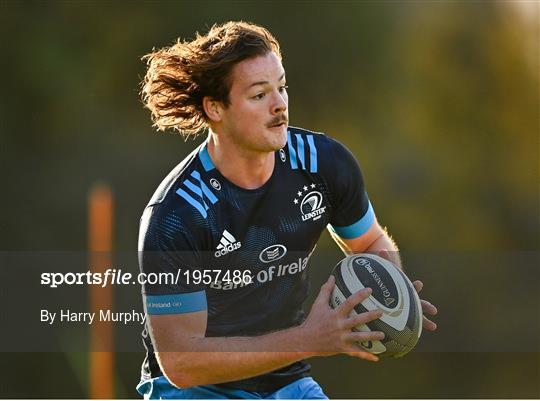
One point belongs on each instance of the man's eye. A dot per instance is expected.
(283, 88)
(259, 96)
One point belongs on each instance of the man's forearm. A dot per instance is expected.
(213, 360)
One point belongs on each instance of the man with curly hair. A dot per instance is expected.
(235, 224)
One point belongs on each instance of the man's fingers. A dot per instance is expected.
(326, 291)
(349, 304)
(428, 307)
(428, 324)
(418, 285)
(363, 318)
(361, 336)
(356, 353)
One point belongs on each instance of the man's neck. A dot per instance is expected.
(245, 168)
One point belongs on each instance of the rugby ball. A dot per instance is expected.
(393, 293)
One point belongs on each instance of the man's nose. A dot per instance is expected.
(280, 103)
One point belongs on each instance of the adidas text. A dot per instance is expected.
(226, 249)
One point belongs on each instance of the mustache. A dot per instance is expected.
(277, 120)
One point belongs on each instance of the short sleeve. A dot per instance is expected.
(353, 214)
(167, 257)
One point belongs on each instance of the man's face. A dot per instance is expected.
(257, 116)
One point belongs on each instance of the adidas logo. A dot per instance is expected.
(227, 244)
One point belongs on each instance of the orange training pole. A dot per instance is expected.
(100, 227)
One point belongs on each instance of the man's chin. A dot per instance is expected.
(278, 139)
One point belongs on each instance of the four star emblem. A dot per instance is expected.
(305, 188)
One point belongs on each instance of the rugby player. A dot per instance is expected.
(236, 223)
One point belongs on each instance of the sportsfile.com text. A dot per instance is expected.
(118, 277)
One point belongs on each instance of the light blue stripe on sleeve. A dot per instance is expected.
(205, 159)
(300, 146)
(292, 153)
(312, 154)
(175, 303)
(196, 190)
(209, 194)
(357, 229)
(192, 201)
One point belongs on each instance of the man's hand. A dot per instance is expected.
(427, 307)
(328, 331)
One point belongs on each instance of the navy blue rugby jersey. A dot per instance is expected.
(253, 245)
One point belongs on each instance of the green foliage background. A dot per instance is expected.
(439, 101)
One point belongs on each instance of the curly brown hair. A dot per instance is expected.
(180, 76)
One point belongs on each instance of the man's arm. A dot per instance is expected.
(188, 358)
(375, 240)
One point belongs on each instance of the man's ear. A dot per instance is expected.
(212, 108)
